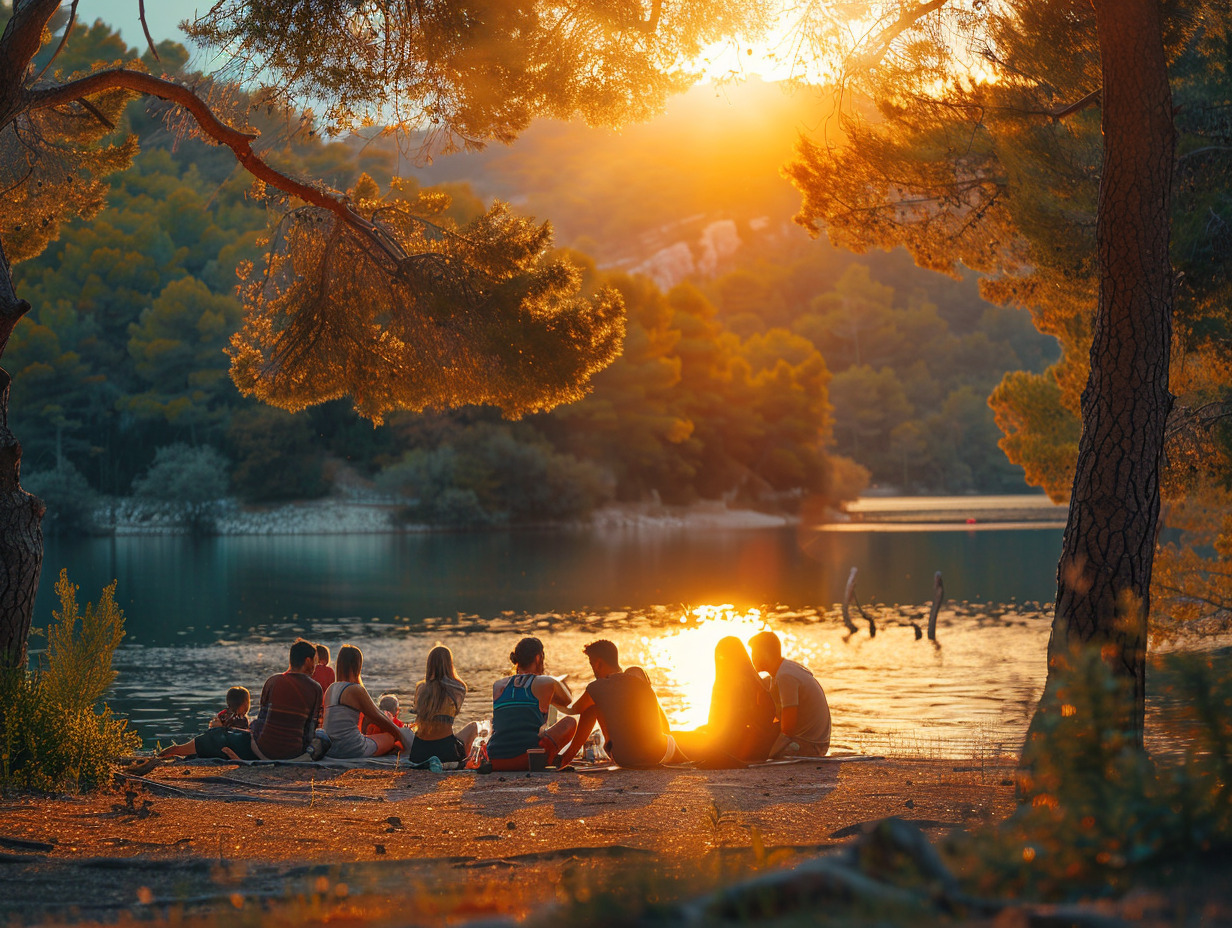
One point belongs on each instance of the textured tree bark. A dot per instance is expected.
(1104, 575)
(21, 515)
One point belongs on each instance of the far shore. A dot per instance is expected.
(357, 514)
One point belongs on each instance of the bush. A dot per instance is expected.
(54, 735)
(1096, 811)
(70, 500)
(193, 479)
(490, 477)
(277, 456)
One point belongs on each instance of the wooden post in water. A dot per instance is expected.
(848, 598)
(851, 588)
(938, 599)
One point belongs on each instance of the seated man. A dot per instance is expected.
(625, 706)
(520, 705)
(804, 714)
(290, 705)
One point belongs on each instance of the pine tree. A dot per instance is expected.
(360, 295)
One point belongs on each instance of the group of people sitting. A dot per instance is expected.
(762, 706)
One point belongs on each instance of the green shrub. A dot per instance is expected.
(277, 456)
(70, 499)
(193, 479)
(489, 476)
(1097, 812)
(54, 732)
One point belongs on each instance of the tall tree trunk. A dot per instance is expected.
(21, 515)
(1104, 576)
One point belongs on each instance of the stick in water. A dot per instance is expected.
(938, 599)
(851, 588)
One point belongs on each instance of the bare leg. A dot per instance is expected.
(561, 734)
(467, 736)
(562, 731)
(384, 743)
(187, 749)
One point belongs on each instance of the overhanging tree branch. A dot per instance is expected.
(239, 142)
(885, 38)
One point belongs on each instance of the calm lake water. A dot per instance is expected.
(204, 614)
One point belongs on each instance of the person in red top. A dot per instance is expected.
(390, 706)
(290, 705)
(323, 673)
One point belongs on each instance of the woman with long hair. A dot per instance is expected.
(345, 701)
(438, 700)
(740, 726)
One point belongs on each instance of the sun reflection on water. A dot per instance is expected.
(681, 661)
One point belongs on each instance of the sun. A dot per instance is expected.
(682, 661)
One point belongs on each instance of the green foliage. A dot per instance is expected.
(54, 735)
(481, 315)
(191, 479)
(488, 476)
(1097, 813)
(70, 499)
(978, 174)
(276, 455)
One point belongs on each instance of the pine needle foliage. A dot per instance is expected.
(470, 71)
(972, 139)
(54, 732)
(440, 318)
(52, 165)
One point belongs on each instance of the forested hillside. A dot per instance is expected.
(726, 385)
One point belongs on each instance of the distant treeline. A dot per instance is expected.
(725, 387)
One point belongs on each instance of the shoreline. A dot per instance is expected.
(361, 515)
(358, 516)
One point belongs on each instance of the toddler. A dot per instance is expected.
(390, 706)
(236, 713)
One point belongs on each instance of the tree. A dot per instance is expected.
(983, 173)
(366, 297)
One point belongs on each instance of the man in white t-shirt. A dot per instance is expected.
(804, 714)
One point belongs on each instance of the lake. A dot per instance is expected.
(204, 614)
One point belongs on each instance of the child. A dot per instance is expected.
(323, 674)
(390, 706)
(236, 713)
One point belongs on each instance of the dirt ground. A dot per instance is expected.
(206, 837)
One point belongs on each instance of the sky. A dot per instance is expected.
(162, 15)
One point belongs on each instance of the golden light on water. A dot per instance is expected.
(681, 661)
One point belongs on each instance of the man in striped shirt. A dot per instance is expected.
(290, 705)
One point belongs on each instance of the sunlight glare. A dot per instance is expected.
(681, 662)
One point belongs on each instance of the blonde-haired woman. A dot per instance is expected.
(345, 701)
(438, 700)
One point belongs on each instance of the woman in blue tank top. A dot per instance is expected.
(520, 706)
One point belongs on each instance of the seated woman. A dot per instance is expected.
(520, 704)
(438, 700)
(741, 726)
(345, 701)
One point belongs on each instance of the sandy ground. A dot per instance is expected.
(209, 837)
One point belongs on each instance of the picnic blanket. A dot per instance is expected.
(395, 762)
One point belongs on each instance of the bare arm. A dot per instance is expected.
(561, 694)
(791, 720)
(585, 726)
(357, 698)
